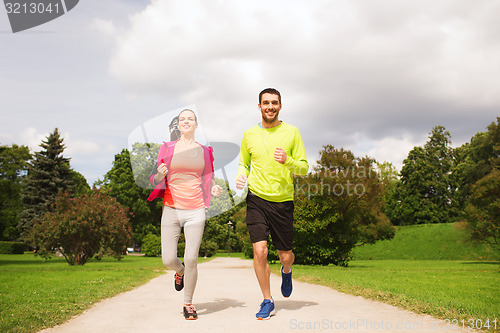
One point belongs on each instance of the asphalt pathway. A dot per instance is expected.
(227, 297)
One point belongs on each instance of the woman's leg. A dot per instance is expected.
(170, 232)
(193, 232)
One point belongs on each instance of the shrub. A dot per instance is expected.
(12, 248)
(337, 207)
(83, 227)
(181, 245)
(208, 248)
(211, 248)
(151, 245)
(248, 250)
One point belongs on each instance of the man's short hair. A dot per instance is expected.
(271, 91)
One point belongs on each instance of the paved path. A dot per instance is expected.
(227, 298)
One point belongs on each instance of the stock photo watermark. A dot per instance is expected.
(363, 324)
(27, 14)
(338, 189)
(337, 181)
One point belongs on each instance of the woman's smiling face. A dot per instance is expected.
(187, 122)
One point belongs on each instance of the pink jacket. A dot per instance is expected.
(165, 156)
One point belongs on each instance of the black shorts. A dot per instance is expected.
(276, 218)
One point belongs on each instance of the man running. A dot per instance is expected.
(270, 153)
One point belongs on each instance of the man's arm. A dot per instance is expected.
(297, 162)
(243, 165)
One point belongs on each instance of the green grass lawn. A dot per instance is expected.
(456, 280)
(232, 255)
(35, 294)
(444, 289)
(445, 241)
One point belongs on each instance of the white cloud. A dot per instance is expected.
(32, 138)
(82, 147)
(105, 27)
(388, 70)
(354, 64)
(6, 139)
(393, 149)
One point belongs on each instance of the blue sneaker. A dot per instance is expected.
(266, 310)
(286, 283)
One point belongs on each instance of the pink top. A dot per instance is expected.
(184, 180)
(162, 189)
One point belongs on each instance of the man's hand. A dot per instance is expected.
(280, 155)
(241, 181)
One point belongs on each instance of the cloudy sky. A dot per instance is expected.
(370, 76)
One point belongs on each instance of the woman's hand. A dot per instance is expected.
(216, 190)
(162, 169)
(162, 172)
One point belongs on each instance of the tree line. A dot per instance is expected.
(345, 201)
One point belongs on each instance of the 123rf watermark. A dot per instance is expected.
(392, 326)
(26, 14)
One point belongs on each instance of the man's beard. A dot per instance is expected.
(271, 120)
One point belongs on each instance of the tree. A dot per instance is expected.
(48, 173)
(480, 180)
(475, 160)
(80, 185)
(143, 162)
(222, 203)
(13, 167)
(337, 207)
(83, 227)
(426, 191)
(387, 173)
(482, 211)
(122, 185)
(220, 212)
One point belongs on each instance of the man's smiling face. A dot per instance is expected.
(270, 107)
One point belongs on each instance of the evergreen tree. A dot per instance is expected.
(48, 173)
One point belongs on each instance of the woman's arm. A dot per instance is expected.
(162, 173)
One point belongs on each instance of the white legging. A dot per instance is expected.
(193, 222)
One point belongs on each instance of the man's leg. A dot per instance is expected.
(286, 258)
(261, 267)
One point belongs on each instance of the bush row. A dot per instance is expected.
(12, 248)
(151, 247)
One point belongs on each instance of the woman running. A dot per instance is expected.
(185, 183)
